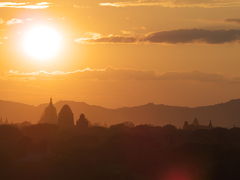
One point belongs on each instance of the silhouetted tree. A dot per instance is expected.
(82, 122)
(169, 127)
(195, 122)
(186, 125)
(123, 125)
(65, 117)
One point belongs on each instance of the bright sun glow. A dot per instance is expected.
(42, 43)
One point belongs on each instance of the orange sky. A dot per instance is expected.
(169, 52)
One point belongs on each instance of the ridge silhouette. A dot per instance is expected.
(224, 114)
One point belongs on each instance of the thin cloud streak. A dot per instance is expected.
(114, 74)
(25, 5)
(14, 21)
(173, 3)
(91, 37)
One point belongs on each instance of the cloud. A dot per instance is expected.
(98, 38)
(194, 75)
(174, 3)
(17, 21)
(25, 5)
(194, 35)
(14, 21)
(114, 39)
(95, 74)
(114, 74)
(233, 20)
(171, 37)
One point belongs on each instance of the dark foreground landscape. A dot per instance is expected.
(119, 152)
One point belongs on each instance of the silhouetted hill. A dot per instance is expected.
(17, 112)
(224, 114)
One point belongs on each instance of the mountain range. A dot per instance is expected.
(223, 114)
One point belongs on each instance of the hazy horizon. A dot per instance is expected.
(113, 107)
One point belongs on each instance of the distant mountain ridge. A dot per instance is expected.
(224, 114)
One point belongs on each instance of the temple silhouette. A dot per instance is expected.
(64, 119)
(82, 122)
(49, 115)
(195, 125)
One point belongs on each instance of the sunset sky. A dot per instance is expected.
(120, 53)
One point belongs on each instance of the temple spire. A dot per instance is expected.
(50, 114)
(210, 125)
(51, 101)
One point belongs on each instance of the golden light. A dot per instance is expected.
(41, 42)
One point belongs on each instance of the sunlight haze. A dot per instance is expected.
(137, 52)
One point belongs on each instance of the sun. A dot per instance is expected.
(41, 42)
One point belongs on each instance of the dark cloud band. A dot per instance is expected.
(173, 37)
(233, 20)
(194, 35)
